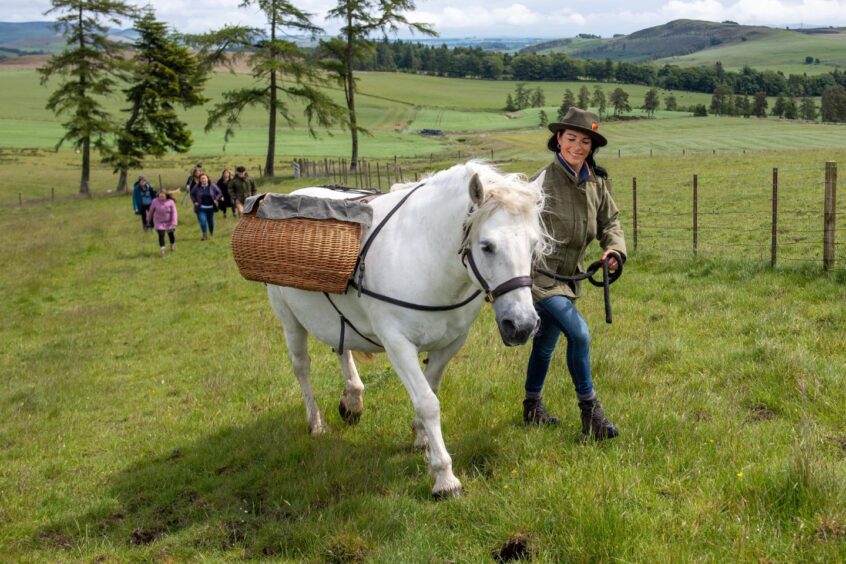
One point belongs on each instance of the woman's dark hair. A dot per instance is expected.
(600, 171)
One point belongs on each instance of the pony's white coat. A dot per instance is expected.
(415, 258)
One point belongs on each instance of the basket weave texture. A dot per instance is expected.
(309, 254)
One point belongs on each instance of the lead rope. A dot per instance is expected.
(608, 278)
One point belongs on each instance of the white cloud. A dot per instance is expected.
(533, 18)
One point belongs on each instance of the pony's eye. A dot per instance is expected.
(487, 247)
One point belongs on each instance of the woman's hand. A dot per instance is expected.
(611, 255)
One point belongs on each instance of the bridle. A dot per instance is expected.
(466, 252)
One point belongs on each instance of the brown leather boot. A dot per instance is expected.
(594, 422)
(535, 413)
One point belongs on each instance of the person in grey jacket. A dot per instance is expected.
(579, 209)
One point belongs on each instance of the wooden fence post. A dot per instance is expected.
(378, 177)
(53, 192)
(161, 186)
(634, 212)
(774, 249)
(829, 215)
(260, 173)
(695, 212)
(20, 199)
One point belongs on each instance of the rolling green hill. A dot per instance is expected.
(778, 50)
(693, 42)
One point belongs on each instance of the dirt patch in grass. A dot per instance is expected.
(346, 549)
(831, 528)
(145, 535)
(517, 547)
(760, 412)
(56, 538)
(839, 442)
(236, 533)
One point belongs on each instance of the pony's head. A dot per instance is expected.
(504, 235)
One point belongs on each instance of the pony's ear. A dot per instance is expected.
(477, 191)
(539, 179)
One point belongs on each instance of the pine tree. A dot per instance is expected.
(598, 101)
(670, 103)
(88, 68)
(521, 96)
(584, 98)
(569, 99)
(543, 120)
(808, 110)
(620, 100)
(509, 104)
(362, 19)
(650, 102)
(163, 74)
(281, 70)
(538, 99)
(759, 105)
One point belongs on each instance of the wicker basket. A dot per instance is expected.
(309, 254)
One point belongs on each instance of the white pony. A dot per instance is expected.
(463, 228)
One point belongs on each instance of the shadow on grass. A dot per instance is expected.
(264, 489)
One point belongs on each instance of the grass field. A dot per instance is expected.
(148, 411)
(783, 51)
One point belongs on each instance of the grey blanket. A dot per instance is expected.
(287, 206)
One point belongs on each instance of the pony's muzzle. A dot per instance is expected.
(516, 331)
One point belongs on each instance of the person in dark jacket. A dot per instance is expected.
(223, 184)
(206, 197)
(579, 208)
(143, 195)
(240, 188)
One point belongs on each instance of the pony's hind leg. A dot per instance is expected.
(297, 338)
(351, 404)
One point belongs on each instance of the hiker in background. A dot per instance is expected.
(164, 217)
(579, 208)
(223, 184)
(143, 195)
(241, 187)
(206, 197)
(194, 179)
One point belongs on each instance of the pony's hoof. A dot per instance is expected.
(450, 493)
(317, 430)
(350, 417)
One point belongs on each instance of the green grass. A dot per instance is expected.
(779, 51)
(149, 411)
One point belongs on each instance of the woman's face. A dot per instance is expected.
(575, 147)
(204, 180)
(162, 196)
(227, 175)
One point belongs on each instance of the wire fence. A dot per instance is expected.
(787, 217)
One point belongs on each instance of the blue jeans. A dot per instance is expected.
(206, 218)
(558, 314)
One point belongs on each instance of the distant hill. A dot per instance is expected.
(30, 38)
(676, 38)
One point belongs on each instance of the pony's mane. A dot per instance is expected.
(512, 191)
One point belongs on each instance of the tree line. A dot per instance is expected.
(471, 62)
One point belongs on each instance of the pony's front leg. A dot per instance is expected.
(427, 409)
(436, 363)
(351, 404)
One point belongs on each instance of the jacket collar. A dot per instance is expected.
(584, 174)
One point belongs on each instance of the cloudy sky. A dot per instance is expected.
(502, 18)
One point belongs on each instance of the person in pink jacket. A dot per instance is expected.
(163, 216)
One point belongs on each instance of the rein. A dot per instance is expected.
(608, 278)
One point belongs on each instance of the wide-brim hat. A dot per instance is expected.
(581, 120)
